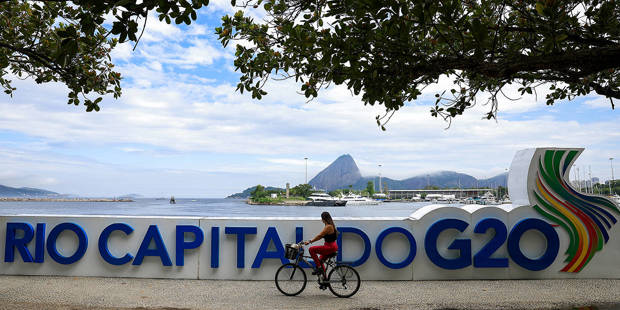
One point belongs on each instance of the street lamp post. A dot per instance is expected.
(611, 165)
(306, 158)
(380, 189)
(590, 178)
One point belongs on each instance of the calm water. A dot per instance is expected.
(201, 207)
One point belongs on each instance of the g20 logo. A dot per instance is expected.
(482, 258)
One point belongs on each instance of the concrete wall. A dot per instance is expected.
(199, 262)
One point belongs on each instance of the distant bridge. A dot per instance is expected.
(458, 193)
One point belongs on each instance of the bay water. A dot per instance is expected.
(212, 207)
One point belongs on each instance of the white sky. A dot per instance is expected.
(180, 129)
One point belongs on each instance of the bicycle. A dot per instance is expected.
(342, 280)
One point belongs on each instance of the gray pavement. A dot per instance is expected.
(36, 292)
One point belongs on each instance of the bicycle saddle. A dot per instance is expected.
(326, 257)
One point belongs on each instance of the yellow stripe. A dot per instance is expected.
(580, 227)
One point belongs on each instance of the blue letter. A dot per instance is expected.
(553, 244)
(412, 247)
(215, 247)
(19, 244)
(182, 245)
(160, 247)
(365, 255)
(82, 243)
(103, 244)
(39, 249)
(463, 245)
(299, 236)
(270, 235)
(240, 232)
(483, 257)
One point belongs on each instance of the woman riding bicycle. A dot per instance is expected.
(330, 234)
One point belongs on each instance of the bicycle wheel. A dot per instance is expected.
(344, 281)
(290, 279)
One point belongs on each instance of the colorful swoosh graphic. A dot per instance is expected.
(586, 218)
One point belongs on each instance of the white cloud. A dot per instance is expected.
(166, 121)
(158, 31)
(599, 102)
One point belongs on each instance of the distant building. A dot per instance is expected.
(458, 193)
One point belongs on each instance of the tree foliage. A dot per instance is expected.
(336, 193)
(65, 41)
(370, 188)
(301, 190)
(390, 50)
(387, 51)
(259, 192)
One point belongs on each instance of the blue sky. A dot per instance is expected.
(180, 129)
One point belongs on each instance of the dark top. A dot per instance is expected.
(331, 237)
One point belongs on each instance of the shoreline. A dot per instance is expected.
(283, 203)
(12, 199)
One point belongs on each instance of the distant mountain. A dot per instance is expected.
(498, 180)
(442, 179)
(339, 174)
(248, 191)
(6, 191)
(344, 172)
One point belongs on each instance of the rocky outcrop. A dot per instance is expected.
(339, 174)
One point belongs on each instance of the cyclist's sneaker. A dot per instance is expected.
(316, 271)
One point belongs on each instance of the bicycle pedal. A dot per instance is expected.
(323, 287)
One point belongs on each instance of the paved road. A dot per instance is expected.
(26, 292)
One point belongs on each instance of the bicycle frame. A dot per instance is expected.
(336, 279)
(302, 258)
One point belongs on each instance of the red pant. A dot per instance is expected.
(323, 250)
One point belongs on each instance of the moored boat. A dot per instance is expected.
(356, 200)
(320, 199)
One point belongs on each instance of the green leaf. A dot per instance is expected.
(562, 37)
(540, 8)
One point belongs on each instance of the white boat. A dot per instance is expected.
(615, 198)
(320, 196)
(469, 201)
(380, 196)
(325, 200)
(357, 200)
(488, 199)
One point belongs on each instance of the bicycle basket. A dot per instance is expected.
(291, 251)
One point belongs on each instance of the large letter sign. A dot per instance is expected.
(153, 235)
(82, 243)
(412, 247)
(551, 252)
(12, 242)
(483, 257)
(462, 245)
(551, 230)
(103, 244)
